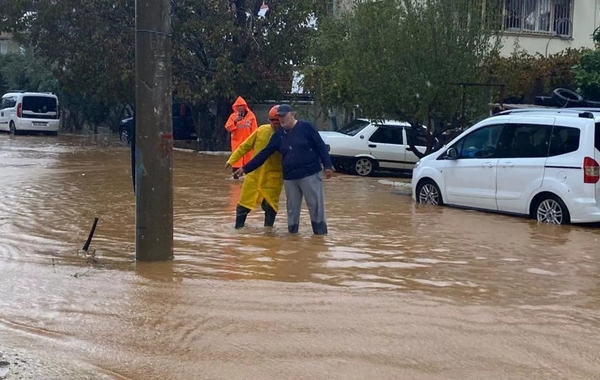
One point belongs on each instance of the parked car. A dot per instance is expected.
(29, 112)
(541, 163)
(183, 124)
(364, 147)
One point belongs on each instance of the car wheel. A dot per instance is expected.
(551, 209)
(428, 192)
(363, 166)
(13, 128)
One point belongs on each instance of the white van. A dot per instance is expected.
(29, 112)
(542, 163)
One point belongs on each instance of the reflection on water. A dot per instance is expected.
(395, 290)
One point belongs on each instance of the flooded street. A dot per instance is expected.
(394, 291)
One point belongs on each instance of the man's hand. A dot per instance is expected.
(238, 173)
(228, 166)
(238, 119)
(328, 173)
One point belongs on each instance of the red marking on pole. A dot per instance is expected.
(166, 144)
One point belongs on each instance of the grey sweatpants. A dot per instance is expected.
(311, 188)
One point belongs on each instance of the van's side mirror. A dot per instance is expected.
(452, 154)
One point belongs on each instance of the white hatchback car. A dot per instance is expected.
(363, 146)
(29, 112)
(541, 163)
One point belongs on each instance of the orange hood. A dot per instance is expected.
(240, 102)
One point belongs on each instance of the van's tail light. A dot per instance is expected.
(20, 110)
(591, 170)
(58, 112)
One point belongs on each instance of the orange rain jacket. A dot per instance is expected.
(241, 130)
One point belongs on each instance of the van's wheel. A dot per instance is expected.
(13, 129)
(363, 166)
(551, 209)
(428, 192)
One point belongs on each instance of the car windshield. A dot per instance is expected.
(353, 127)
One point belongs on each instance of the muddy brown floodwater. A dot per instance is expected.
(395, 291)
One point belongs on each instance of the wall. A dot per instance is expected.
(586, 18)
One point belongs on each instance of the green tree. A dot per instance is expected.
(402, 59)
(89, 47)
(25, 71)
(587, 72)
(221, 49)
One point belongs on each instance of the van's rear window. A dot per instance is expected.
(39, 104)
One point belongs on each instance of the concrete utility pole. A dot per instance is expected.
(153, 131)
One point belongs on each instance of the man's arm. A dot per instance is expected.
(231, 124)
(242, 149)
(263, 155)
(320, 146)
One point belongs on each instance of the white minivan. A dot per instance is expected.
(29, 112)
(542, 163)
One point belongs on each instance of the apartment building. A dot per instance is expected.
(538, 26)
(549, 26)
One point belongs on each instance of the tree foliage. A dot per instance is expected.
(24, 71)
(587, 72)
(88, 46)
(403, 59)
(221, 49)
(526, 76)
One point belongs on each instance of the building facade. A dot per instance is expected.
(538, 26)
(549, 26)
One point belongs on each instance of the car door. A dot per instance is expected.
(470, 178)
(10, 112)
(420, 143)
(522, 157)
(3, 115)
(386, 144)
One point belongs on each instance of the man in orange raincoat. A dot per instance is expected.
(241, 124)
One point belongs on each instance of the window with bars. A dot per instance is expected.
(539, 16)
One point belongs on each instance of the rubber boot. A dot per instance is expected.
(270, 214)
(241, 213)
